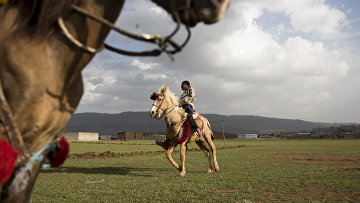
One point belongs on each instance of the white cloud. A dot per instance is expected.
(237, 67)
(318, 18)
(299, 73)
(308, 16)
(143, 66)
(158, 11)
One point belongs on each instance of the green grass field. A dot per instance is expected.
(261, 171)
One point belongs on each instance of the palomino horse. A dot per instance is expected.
(44, 46)
(166, 106)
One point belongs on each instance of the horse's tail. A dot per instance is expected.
(212, 134)
(208, 124)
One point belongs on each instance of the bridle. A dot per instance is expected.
(163, 43)
(159, 107)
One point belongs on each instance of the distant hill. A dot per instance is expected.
(110, 124)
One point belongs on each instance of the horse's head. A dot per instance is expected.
(193, 11)
(160, 104)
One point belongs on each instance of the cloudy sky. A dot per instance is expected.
(296, 59)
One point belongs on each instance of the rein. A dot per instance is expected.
(155, 39)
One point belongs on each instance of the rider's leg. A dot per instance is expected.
(189, 110)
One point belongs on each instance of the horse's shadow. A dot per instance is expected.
(106, 170)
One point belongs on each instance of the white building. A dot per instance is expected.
(81, 136)
(246, 136)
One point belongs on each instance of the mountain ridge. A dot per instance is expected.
(110, 124)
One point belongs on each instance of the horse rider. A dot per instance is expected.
(187, 100)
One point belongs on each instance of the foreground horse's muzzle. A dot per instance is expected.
(214, 12)
(207, 11)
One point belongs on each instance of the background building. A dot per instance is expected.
(82, 136)
(155, 136)
(108, 137)
(128, 135)
(246, 136)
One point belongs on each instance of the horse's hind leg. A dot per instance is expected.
(213, 150)
(204, 148)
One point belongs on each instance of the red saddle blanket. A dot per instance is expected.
(187, 126)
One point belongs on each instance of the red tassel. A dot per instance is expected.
(212, 137)
(7, 160)
(61, 155)
(185, 136)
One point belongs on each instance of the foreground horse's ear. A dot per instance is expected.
(163, 89)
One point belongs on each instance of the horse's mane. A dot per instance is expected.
(173, 98)
(170, 94)
(37, 17)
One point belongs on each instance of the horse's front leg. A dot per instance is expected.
(169, 157)
(182, 158)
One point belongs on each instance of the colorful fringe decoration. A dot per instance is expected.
(186, 126)
(58, 157)
(7, 160)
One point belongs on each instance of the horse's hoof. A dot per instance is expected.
(179, 168)
(209, 171)
(182, 174)
(217, 168)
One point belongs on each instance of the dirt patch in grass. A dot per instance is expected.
(323, 194)
(355, 171)
(321, 160)
(226, 191)
(109, 154)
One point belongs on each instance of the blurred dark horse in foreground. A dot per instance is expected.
(44, 46)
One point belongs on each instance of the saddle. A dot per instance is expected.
(186, 126)
(199, 122)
